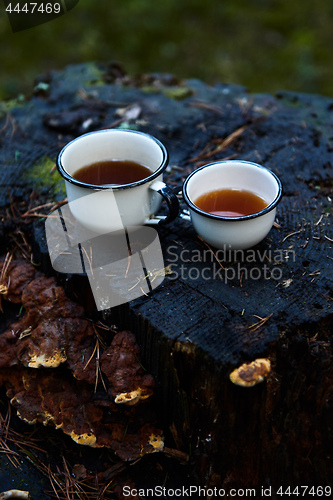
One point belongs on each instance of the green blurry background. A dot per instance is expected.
(266, 45)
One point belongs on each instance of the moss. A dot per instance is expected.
(128, 125)
(87, 74)
(7, 106)
(95, 75)
(178, 93)
(150, 89)
(43, 176)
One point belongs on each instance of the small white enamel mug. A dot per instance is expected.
(239, 232)
(104, 208)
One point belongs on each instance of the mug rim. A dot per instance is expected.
(68, 177)
(264, 211)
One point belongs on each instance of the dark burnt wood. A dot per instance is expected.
(210, 316)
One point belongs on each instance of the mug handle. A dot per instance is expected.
(172, 202)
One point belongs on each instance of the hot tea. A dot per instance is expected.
(230, 202)
(112, 172)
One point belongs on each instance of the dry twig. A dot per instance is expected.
(289, 235)
(9, 121)
(224, 144)
(259, 323)
(53, 206)
(206, 106)
(217, 260)
(3, 285)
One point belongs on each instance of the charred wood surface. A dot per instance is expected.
(213, 312)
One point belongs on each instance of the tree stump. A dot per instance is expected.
(213, 311)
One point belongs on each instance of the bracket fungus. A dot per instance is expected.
(18, 494)
(60, 370)
(250, 374)
(121, 364)
(18, 272)
(133, 397)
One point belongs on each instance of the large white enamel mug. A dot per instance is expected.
(104, 208)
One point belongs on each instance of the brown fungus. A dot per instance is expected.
(68, 405)
(15, 277)
(54, 399)
(53, 333)
(120, 363)
(250, 374)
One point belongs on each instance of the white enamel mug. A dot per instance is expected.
(239, 232)
(104, 208)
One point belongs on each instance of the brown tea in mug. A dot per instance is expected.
(112, 172)
(230, 202)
